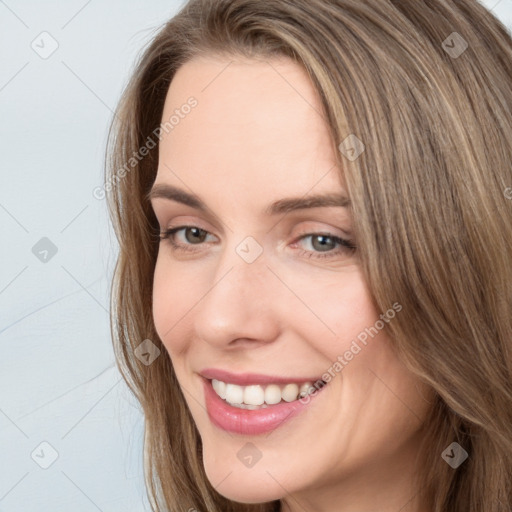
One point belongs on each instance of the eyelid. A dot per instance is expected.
(186, 221)
(312, 228)
(307, 228)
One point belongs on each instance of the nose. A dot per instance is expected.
(240, 303)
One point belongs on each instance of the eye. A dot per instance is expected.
(322, 245)
(193, 236)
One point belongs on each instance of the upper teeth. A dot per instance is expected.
(257, 395)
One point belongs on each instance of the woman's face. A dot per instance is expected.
(265, 286)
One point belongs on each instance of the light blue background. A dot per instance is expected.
(58, 381)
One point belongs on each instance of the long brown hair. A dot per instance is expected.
(427, 87)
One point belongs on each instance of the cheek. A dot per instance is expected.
(336, 306)
(173, 296)
(340, 301)
(344, 309)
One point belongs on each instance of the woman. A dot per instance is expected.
(339, 337)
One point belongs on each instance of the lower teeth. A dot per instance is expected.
(246, 406)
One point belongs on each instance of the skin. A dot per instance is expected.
(257, 135)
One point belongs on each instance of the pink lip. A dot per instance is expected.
(245, 379)
(246, 421)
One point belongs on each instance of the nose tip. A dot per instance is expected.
(239, 308)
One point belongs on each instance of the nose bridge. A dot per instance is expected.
(240, 301)
(244, 265)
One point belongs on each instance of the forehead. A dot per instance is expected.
(255, 121)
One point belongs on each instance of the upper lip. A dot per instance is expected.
(244, 379)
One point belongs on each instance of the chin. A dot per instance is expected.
(243, 485)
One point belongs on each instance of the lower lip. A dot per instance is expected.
(250, 422)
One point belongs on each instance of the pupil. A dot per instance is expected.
(322, 246)
(197, 232)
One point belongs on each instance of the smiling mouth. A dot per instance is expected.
(257, 396)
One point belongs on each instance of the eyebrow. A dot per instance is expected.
(281, 206)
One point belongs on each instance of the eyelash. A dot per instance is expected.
(346, 246)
